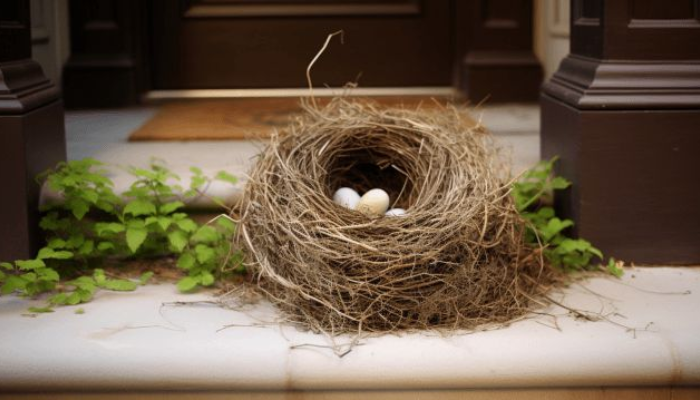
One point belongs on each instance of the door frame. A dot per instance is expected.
(492, 44)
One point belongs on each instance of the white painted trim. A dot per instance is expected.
(558, 12)
(551, 33)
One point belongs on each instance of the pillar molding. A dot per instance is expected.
(32, 135)
(623, 114)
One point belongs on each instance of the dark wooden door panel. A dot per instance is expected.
(262, 44)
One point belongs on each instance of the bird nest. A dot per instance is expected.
(457, 259)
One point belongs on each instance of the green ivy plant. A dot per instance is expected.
(92, 226)
(531, 192)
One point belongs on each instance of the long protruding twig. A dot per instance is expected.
(313, 61)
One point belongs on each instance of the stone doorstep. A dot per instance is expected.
(647, 335)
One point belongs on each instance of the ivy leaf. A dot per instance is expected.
(26, 265)
(78, 207)
(560, 183)
(48, 274)
(56, 243)
(140, 207)
(594, 251)
(545, 213)
(150, 220)
(178, 240)
(49, 253)
(187, 284)
(90, 196)
(614, 267)
(143, 173)
(186, 261)
(553, 227)
(206, 234)
(7, 266)
(164, 222)
(119, 285)
(75, 241)
(198, 179)
(104, 246)
(74, 298)
(186, 225)
(168, 208)
(40, 309)
(50, 222)
(108, 227)
(137, 191)
(87, 247)
(204, 253)
(197, 182)
(226, 223)
(85, 295)
(135, 236)
(58, 299)
(99, 276)
(13, 283)
(145, 277)
(105, 206)
(84, 282)
(226, 177)
(206, 279)
(572, 245)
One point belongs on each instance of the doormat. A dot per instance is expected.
(242, 118)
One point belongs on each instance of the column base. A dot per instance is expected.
(635, 192)
(30, 143)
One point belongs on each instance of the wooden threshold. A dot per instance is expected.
(156, 95)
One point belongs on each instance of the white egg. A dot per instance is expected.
(374, 203)
(346, 197)
(395, 212)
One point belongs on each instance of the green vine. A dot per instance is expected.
(531, 193)
(92, 227)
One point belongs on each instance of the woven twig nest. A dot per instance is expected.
(456, 260)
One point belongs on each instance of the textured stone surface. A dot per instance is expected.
(132, 341)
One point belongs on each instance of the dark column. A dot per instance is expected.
(106, 67)
(623, 112)
(500, 65)
(31, 132)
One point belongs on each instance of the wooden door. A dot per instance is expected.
(201, 44)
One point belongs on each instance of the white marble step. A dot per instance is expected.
(129, 341)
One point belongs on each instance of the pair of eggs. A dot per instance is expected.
(373, 203)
